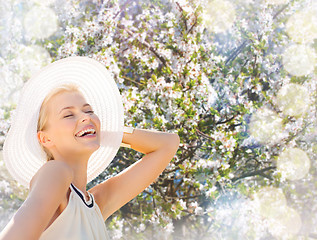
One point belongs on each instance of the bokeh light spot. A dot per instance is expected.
(44, 2)
(266, 126)
(293, 163)
(286, 223)
(302, 25)
(40, 22)
(10, 82)
(293, 99)
(299, 60)
(31, 59)
(220, 16)
(277, 2)
(269, 200)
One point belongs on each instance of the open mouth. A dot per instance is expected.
(86, 133)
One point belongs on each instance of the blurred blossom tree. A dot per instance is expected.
(235, 82)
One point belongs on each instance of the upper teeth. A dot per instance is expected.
(91, 130)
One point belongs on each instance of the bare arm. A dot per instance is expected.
(49, 186)
(159, 149)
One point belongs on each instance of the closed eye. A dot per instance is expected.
(72, 114)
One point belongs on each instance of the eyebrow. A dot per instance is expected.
(70, 107)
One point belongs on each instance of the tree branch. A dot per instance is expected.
(235, 53)
(204, 135)
(191, 28)
(225, 121)
(122, 7)
(147, 45)
(182, 11)
(129, 79)
(242, 46)
(281, 10)
(254, 173)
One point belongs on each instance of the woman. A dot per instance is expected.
(67, 128)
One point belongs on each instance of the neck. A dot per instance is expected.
(78, 163)
(80, 175)
(79, 168)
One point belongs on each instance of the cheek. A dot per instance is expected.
(66, 128)
(97, 120)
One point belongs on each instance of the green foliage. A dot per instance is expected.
(169, 63)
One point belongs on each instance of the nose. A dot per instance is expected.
(85, 117)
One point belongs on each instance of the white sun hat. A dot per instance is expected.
(22, 153)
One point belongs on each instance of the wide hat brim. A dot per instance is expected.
(22, 153)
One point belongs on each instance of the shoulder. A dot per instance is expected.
(48, 188)
(53, 172)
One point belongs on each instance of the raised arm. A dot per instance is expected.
(49, 187)
(158, 147)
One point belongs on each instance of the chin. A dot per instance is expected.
(97, 147)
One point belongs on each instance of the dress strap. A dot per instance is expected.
(90, 202)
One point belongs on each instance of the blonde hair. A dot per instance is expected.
(43, 114)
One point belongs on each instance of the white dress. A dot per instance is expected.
(81, 219)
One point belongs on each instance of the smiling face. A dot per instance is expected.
(69, 113)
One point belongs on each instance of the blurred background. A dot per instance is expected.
(236, 79)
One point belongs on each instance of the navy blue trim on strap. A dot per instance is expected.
(82, 197)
